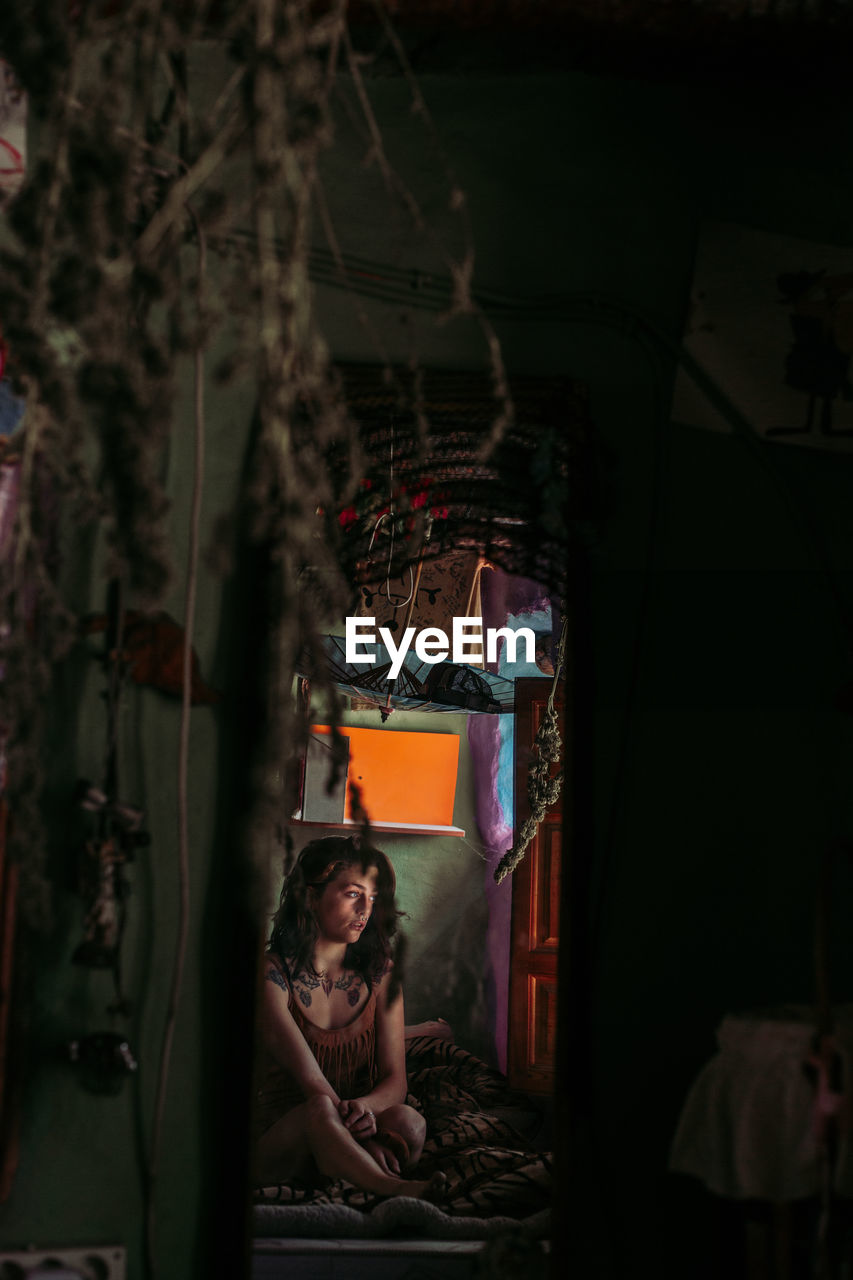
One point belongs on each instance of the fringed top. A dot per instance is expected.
(345, 1055)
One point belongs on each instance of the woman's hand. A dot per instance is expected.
(357, 1117)
(385, 1158)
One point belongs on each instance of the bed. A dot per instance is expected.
(485, 1137)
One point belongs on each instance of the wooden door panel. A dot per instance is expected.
(545, 895)
(535, 937)
(542, 1045)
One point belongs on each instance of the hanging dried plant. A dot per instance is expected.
(100, 289)
(543, 785)
(129, 196)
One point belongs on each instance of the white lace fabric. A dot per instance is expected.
(749, 1126)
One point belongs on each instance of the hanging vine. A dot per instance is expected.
(543, 785)
(99, 286)
(104, 310)
(132, 168)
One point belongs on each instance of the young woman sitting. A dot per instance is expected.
(333, 1075)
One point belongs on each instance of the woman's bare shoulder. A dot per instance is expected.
(275, 971)
(382, 975)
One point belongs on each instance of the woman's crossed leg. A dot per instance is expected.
(315, 1130)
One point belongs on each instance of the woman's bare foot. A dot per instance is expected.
(434, 1189)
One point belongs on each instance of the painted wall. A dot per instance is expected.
(714, 786)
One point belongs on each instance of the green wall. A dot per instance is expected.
(79, 1180)
(734, 765)
(440, 887)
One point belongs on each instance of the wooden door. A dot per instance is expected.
(535, 930)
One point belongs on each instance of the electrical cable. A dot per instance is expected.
(179, 964)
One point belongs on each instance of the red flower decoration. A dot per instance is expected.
(368, 508)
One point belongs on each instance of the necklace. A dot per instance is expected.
(349, 982)
(322, 976)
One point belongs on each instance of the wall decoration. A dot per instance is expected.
(152, 653)
(771, 325)
(419, 686)
(424, 455)
(443, 592)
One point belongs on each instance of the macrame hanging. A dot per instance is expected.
(518, 504)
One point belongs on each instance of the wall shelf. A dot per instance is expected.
(390, 828)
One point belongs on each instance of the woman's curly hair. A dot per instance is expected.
(294, 928)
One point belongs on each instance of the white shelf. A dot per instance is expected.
(391, 828)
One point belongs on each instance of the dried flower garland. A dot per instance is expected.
(543, 786)
(99, 315)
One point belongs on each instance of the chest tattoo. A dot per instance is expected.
(350, 983)
(304, 983)
(308, 980)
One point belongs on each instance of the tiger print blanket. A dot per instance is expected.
(475, 1135)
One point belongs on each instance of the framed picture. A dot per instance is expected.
(770, 335)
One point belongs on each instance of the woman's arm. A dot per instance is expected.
(391, 1084)
(284, 1040)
